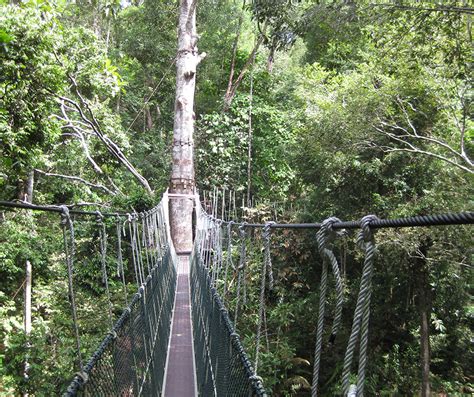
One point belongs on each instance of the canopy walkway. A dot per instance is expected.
(176, 337)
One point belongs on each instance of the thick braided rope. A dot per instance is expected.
(367, 242)
(69, 251)
(240, 269)
(325, 236)
(267, 232)
(103, 261)
(229, 262)
(361, 314)
(120, 269)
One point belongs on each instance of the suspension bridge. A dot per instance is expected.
(176, 335)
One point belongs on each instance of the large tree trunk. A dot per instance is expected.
(182, 173)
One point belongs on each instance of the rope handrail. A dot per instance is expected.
(460, 218)
(55, 208)
(59, 209)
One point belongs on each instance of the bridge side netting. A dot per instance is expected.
(222, 366)
(131, 359)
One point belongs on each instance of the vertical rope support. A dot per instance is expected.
(138, 249)
(103, 260)
(145, 241)
(240, 268)
(325, 236)
(120, 269)
(69, 251)
(219, 254)
(265, 266)
(360, 325)
(268, 257)
(131, 231)
(229, 262)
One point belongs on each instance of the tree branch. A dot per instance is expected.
(77, 179)
(232, 89)
(111, 147)
(431, 154)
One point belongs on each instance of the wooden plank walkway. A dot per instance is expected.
(180, 380)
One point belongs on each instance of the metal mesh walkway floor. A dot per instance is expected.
(180, 378)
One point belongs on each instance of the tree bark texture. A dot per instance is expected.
(182, 173)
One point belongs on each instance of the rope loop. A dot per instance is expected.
(360, 324)
(366, 234)
(65, 215)
(325, 238)
(69, 251)
(326, 234)
(267, 229)
(242, 231)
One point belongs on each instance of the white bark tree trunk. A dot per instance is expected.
(182, 173)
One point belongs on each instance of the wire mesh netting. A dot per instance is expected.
(222, 366)
(131, 359)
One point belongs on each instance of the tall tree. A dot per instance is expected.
(182, 173)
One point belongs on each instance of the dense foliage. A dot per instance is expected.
(349, 107)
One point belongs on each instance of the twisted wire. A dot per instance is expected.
(69, 251)
(361, 314)
(324, 237)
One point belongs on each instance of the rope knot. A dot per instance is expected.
(326, 234)
(65, 215)
(267, 229)
(243, 232)
(366, 234)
